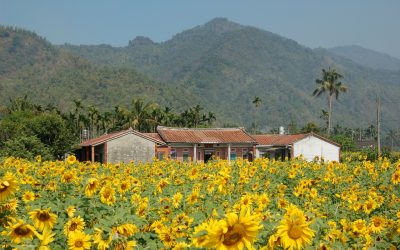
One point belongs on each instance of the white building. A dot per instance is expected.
(309, 146)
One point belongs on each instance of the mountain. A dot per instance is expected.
(220, 65)
(226, 64)
(367, 57)
(29, 65)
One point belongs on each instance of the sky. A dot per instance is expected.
(373, 24)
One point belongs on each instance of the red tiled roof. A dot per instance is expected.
(205, 135)
(155, 136)
(278, 140)
(104, 138)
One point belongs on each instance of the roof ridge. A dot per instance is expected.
(185, 128)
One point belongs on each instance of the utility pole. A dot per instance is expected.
(378, 123)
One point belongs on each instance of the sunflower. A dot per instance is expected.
(200, 237)
(102, 242)
(20, 231)
(8, 186)
(235, 231)
(377, 224)
(75, 224)
(45, 239)
(11, 205)
(91, 187)
(28, 196)
(176, 199)
(124, 187)
(70, 211)
(107, 195)
(79, 241)
(43, 219)
(68, 177)
(162, 184)
(273, 242)
(369, 205)
(358, 227)
(126, 229)
(293, 230)
(71, 159)
(52, 185)
(396, 177)
(167, 237)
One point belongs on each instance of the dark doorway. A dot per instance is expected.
(208, 154)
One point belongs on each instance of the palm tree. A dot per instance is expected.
(330, 84)
(140, 114)
(257, 103)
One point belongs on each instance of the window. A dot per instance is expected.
(160, 156)
(185, 154)
(233, 154)
(245, 153)
(173, 154)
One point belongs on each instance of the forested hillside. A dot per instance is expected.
(29, 65)
(227, 64)
(220, 65)
(367, 57)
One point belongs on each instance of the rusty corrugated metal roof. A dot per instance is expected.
(104, 138)
(204, 135)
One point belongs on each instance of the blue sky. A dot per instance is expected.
(371, 24)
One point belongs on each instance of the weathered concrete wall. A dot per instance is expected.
(130, 148)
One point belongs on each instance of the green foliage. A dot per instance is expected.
(345, 141)
(227, 64)
(310, 127)
(25, 147)
(35, 130)
(220, 66)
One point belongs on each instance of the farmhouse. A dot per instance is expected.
(201, 144)
(308, 145)
(122, 146)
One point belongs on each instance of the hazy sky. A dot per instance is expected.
(372, 24)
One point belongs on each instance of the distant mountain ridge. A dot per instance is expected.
(222, 66)
(226, 64)
(367, 57)
(29, 65)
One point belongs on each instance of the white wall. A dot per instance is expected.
(311, 147)
(130, 147)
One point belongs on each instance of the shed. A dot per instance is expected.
(122, 146)
(309, 146)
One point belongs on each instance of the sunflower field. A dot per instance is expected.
(171, 205)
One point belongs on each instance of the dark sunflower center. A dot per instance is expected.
(295, 232)
(43, 216)
(377, 223)
(234, 234)
(79, 243)
(3, 186)
(22, 231)
(107, 194)
(73, 226)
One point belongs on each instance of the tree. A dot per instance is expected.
(25, 147)
(310, 127)
(330, 84)
(257, 103)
